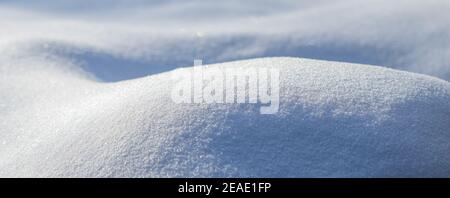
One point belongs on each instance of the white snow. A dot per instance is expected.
(335, 120)
(85, 88)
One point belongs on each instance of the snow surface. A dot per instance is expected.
(85, 88)
(335, 120)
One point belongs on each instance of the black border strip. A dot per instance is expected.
(277, 185)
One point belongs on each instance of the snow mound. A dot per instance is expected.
(335, 120)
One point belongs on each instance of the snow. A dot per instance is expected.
(410, 35)
(85, 88)
(335, 120)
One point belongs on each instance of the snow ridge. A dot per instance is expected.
(335, 120)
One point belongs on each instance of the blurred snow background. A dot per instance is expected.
(154, 36)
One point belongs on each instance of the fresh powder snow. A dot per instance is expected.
(85, 88)
(335, 120)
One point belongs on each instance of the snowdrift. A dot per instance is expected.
(335, 120)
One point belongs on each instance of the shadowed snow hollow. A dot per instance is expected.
(335, 120)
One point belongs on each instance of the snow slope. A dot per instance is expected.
(85, 88)
(335, 120)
